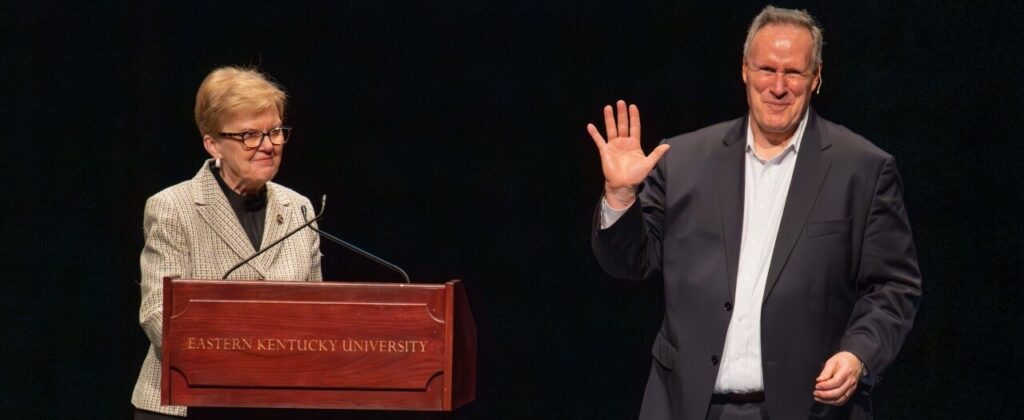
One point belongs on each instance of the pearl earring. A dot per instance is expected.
(216, 163)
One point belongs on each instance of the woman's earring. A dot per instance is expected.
(216, 163)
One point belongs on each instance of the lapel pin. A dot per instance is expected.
(280, 219)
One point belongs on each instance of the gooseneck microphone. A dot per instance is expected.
(323, 202)
(351, 247)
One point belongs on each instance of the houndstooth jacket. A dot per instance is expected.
(192, 232)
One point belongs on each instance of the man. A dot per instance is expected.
(790, 272)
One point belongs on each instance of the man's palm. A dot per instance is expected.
(623, 161)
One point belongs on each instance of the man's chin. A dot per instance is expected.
(776, 124)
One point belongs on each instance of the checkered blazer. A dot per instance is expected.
(192, 232)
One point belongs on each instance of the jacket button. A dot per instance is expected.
(728, 306)
(714, 360)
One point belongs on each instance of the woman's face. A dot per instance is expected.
(246, 170)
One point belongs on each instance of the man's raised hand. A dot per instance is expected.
(623, 161)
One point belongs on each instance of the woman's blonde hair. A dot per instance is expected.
(235, 91)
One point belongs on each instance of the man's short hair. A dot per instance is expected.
(772, 15)
(229, 92)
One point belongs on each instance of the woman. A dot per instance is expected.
(200, 228)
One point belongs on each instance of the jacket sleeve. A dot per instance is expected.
(631, 247)
(165, 254)
(888, 280)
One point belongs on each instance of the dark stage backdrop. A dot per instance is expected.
(450, 138)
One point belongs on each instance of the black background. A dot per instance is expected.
(450, 138)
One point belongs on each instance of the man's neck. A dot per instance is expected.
(768, 146)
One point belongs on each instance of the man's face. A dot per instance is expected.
(780, 77)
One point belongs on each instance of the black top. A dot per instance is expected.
(251, 210)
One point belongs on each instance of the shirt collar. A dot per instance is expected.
(238, 201)
(794, 142)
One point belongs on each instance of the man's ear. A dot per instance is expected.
(817, 81)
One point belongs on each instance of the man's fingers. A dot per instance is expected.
(828, 371)
(634, 122)
(656, 154)
(837, 380)
(838, 396)
(609, 123)
(846, 396)
(831, 394)
(623, 119)
(596, 135)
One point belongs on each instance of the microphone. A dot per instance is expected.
(323, 202)
(354, 248)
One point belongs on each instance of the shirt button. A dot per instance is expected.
(714, 360)
(728, 306)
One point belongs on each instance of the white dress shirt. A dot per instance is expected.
(766, 186)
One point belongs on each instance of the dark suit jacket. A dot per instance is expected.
(843, 275)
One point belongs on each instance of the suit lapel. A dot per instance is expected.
(277, 223)
(728, 170)
(811, 167)
(214, 209)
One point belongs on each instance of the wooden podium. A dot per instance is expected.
(388, 346)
